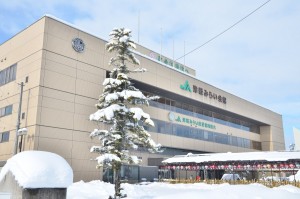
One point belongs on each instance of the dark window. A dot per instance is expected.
(255, 145)
(8, 74)
(4, 137)
(107, 75)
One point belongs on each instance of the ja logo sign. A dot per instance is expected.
(186, 86)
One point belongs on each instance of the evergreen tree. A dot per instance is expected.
(119, 107)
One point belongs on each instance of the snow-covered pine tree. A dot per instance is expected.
(119, 107)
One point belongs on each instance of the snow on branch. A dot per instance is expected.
(97, 132)
(107, 113)
(139, 70)
(107, 157)
(126, 94)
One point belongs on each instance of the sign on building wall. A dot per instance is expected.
(202, 91)
(169, 62)
(186, 120)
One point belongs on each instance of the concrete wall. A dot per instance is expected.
(10, 185)
(54, 193)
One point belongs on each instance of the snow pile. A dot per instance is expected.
(98, 189)
(39, 169)
(295, 177)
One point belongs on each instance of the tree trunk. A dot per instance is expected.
(117, 184)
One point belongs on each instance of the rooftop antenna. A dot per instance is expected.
(139, 27)
(161, 40)
(173, 63)
(184, 52)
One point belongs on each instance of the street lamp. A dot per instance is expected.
(21, 132)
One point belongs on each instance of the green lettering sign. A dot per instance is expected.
(192, 122)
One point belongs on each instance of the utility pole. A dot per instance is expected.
(18, 119)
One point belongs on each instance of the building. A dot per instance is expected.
(63, 68)
(296, 139)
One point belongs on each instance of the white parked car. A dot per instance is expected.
(230, 176)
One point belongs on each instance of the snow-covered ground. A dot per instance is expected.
(99, 189)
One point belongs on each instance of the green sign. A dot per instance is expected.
(197, 123)
(169, 62)
(204, 92)
(186, 86)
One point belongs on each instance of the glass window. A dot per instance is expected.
(1, 77)
(199, 134)
(210, 136)
(7, 75)
(240, 142)
(168, 128)
(161, 127)
(2, 112)
(168, 102)
(177, 104)
(246, 143)
(234, 140)
(8, 110)
(205, 135)
(4, 137)
(11, 73)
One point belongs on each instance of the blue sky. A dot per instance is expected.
(257, 60)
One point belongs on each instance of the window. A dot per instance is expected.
(5, 111)
(4, 137)
(2, 112)
(107, 74)
(8, 110)
(8, 74)
(255, 145)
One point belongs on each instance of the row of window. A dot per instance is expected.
(200, 134)
(8, 74)
(5, 111)
(4, 137)
(198, 112)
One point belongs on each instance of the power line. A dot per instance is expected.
(224, 30)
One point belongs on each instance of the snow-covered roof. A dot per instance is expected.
(39, 169)
(222, 157)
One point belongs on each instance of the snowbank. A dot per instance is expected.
(295, 177)
(98, 189)
(39, 169)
